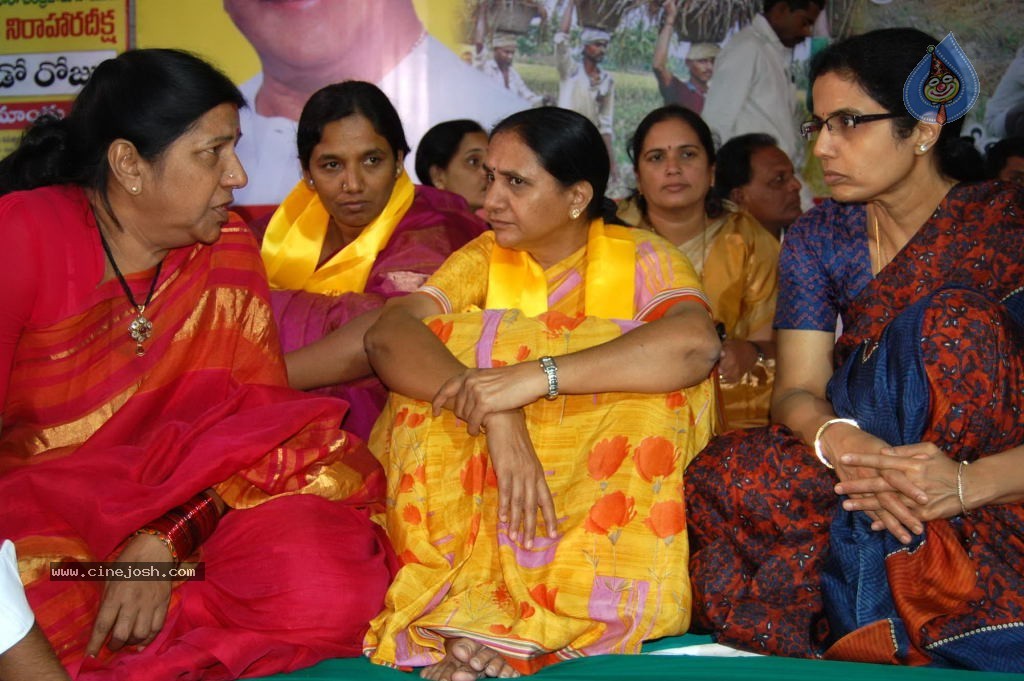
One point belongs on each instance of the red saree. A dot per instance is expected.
(763, 517)
(97, 442)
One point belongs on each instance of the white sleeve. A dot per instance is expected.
(730, 86)
(16, 617)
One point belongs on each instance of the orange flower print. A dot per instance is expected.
(407, 557)
(526, 610)
(406, 483)
(606, 457)
(675, 400)
(667, 519)
(544, 596)
(503, 598)
(442, 330)
(655, 457)
(499, 363)
(499, 629)
(414, 420)
(559, 321)
(411, 514)
(522, 353)
(400, 417)
(473, 475)
(420, 473)
(609, 514)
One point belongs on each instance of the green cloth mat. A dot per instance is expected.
(672, 667)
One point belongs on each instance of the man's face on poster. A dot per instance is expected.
(503, 56)
(301, 32)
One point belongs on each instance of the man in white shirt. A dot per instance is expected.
(583, 85)
(305, 46)
(499, 68)
(752, 88)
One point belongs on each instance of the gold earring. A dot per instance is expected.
(574, 213)
(923, 148)
(134, 190)
(398, 172)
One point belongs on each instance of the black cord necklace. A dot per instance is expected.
(141, 328)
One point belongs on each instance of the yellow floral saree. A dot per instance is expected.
(616, 573)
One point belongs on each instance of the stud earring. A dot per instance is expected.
(398, 171)
(574, 213)
(923, 148)
(134, 190)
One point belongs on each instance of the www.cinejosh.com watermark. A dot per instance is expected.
(143, 572)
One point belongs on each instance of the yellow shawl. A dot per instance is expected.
(295, 237)
(516, 280)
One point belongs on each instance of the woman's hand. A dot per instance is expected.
(924, 476)
(521, 485)
(738, 358)
(132, 612)
(474, 394)
(888, 508)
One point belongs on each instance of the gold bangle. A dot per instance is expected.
(821, 431)
(960, 487)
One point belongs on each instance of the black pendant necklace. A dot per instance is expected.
(141, 328)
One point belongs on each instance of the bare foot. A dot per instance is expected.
(467, 660)
(481, 659)
(447, 668)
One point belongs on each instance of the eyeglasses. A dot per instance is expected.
(841, 122)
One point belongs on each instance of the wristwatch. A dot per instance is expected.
(547, 364)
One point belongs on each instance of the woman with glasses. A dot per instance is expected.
(881, 514)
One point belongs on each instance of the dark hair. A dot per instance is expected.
(148, 97)
(794, 5)
(568, 146)
(712, 204)
(879, 62)
(341, 100)
(733, 167)
(997, 154)
(438, 146)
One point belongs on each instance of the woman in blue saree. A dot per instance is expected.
(911, 550)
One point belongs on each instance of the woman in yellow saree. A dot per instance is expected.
(737, 259)
(607, 323)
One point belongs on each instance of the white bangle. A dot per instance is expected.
(821, 431)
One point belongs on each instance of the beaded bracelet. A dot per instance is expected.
(821, 431)
(184, 528)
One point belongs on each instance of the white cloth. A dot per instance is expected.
(576, 91)
(705, 650)
(430, 85)
(16, 616)
(1008, 94)
(516, 84)
(752, 89)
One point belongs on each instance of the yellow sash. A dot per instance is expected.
(295, 237)
(516, 280)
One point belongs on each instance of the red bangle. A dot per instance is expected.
(184, 528)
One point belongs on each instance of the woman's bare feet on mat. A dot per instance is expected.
(467, 660)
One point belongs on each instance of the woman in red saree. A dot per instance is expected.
(352, 234)
(144, 397)
(915, 554)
